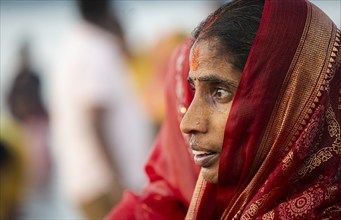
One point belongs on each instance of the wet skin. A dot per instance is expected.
(214, 81)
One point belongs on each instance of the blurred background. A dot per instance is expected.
(37, 38)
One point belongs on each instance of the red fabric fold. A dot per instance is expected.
(170, 168)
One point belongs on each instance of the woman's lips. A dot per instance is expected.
(205, 158)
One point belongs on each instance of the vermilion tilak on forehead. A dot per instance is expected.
(194, 61)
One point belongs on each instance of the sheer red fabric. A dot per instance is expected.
(170, 168)
(282, 148)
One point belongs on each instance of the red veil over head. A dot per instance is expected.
(282, 147)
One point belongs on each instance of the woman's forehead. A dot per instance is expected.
(205, 55)
(204, 52)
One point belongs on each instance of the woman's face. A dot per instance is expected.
(214, 81)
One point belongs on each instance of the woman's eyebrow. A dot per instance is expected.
(212, 78)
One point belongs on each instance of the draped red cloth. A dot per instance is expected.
(170, 168)
(282, 147)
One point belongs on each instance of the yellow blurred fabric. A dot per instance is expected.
(149, 68)
(12, 172)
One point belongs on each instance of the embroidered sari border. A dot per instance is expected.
(196, 199)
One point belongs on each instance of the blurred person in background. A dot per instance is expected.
(101, 135)
(24, 134)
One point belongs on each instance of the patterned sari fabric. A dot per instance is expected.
(282, 148)
(170, 168)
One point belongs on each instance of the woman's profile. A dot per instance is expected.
(265, 117)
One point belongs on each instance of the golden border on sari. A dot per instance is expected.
(196, 199)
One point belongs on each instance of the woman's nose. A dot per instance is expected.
(194, 120)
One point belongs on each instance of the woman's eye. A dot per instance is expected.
(222, 95)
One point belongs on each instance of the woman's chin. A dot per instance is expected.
(210, 174)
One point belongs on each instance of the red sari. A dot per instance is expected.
(282, 148)
(170, 168)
